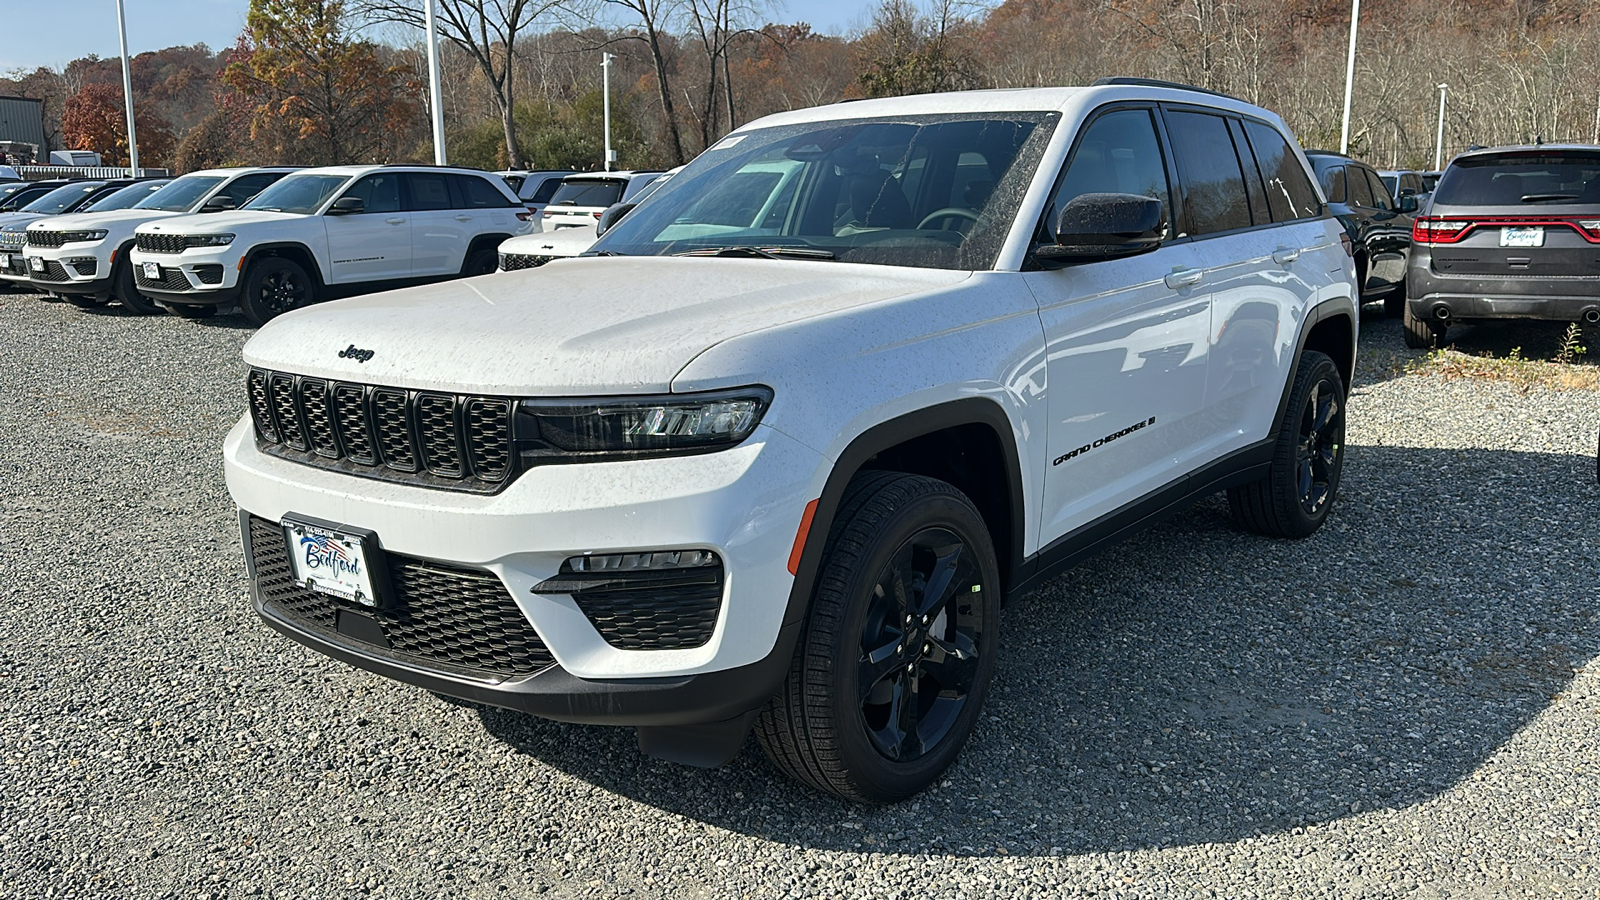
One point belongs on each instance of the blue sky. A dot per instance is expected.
(36, 33)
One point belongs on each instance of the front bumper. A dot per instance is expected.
(745, 505)
(197, 277)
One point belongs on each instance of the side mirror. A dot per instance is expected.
(1106, 226)
(219, 203)
(611, 216)
(346, 206)
(1408, 201)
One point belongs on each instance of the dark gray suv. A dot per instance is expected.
(1511, 233)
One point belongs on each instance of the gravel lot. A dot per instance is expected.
(1407, 704)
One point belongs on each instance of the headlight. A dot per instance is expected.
(636, 427)
(208, 240)
(75, 237)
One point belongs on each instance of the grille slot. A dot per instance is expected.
(660, 618)
(171, 279)
(160, 243)
(448, 441)
(440, 615)
(52, 272)
(47, 238)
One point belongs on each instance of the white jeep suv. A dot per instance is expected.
(581, 199)
(85, 255)
(780, 470)
(320, 233)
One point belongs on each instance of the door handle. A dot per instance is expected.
(1285, 255)
(463, 218)
(396, 220)
(1182, 278)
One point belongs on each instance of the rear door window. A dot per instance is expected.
(1259, 213)
(429, 190)
(1214, 195)
(478, 193)
(1358, 191)
(1380, 193)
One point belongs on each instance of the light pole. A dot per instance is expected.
(433, 86)
(1438, 142)
(1349, 77)
(605, 89)
(127, 93)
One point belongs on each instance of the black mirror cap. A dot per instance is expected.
(219, 203)
(611, 215)
(347, 205)
(1408, 202)
(1106, 225)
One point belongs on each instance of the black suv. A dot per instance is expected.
(1379, 228)
(1511, 233)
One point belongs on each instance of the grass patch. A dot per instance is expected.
(1561, 371)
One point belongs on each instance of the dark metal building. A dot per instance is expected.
(22, 119)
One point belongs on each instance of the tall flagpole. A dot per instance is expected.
(127, 92)
(605, 90)
(433, 86)
(1349, 78)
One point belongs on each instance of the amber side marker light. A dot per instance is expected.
(800, 537)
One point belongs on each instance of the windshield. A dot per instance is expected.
(180, 195)
(127, 198)
(587, 193)
(300, 194)
(1517, 179)
(21, 197)
(933, 191)
(63, 198)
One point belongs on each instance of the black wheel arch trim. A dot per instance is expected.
(1327, 309)
(262, 250)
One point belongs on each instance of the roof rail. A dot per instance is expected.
(1156, 82)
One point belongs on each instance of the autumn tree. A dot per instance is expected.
(95, 119)
(315, 93)
(908, 51)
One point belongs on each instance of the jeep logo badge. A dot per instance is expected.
(351, 352)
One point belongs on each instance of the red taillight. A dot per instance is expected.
(1427, 230)
(524, 216)
(596, 215)
(548, 213)
(1349, 245)
(1590, 229)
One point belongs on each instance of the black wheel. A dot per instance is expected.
(899, 647)
(1421, 334)
(191, 310)
(273, 286)
(127, 291)
(1294, 498)
(480, 262)
(1394, 302)
(86, 301)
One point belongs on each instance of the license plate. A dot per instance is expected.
(152, 271)
(330, 561)
(5, 260)
(36, 263)
(1532, 236)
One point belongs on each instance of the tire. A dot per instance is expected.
(1420, 334)
(191, 310)
(481, 261)
(1394, 303)
(1293, 500)
(273, 286)
(841, 722)
(126, 289)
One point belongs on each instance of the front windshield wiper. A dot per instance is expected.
(1540, 198)
(762, 252)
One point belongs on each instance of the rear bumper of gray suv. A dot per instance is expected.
(1448, 298)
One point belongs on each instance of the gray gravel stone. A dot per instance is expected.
(1406, 704)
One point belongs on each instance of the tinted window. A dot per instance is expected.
(246, 186)
(546, 191)
(1214, 197)
(64, 198)
(301, 194)
(429, 190)
(126, 197)
(587, 193)
(1519, 179)
(380, 193)
(476, 193)
(1333, 184)
(180, 195)
(1380, 194)
(1119, 153)
(1252, 175)
(1357, 189)
(23, 197)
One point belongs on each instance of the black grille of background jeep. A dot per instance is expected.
(511, 262)
(161, 243)
(47, 238)
(438, 616)
(430, 438)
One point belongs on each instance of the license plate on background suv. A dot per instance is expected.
(330, 561)
(5, 260)
(152, 271)
(36, 263)
(1522, 236)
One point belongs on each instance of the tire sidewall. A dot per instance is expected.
(1315, 368)
(874, 775)
(250, 298)
(127, 289)
(474, 264)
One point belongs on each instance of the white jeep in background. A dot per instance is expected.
(775, 461)
(320, 233)
(581, 199)
(85, 256)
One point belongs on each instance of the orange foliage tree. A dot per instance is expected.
(95, 119)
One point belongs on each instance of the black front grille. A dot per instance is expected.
(511, 262)
(439, 616)
(208, 273)
(86, 267)
(172, 279)
(160, 243)
(47, 238)
(52, 272)
(435, 439)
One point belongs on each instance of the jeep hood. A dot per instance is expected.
(591, 325)
(217, 222)
(81, 221)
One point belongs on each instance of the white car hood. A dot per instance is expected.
(129, 217)
(21, 218)
(593, 325)
(566, 242)
(217, 222)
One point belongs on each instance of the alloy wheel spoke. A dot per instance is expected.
(935, 591)
(907, 712)
(876, 665)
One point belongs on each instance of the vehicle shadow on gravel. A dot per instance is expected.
(1195, 684)
(1384, 355)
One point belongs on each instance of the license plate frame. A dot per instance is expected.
(5, 260)
(35, 264)
(1522, 236)
(151, 270)
(338, 560)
